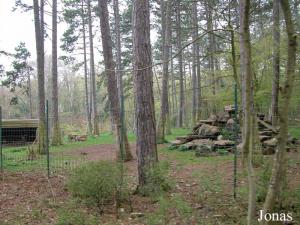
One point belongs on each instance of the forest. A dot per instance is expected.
(155, 112)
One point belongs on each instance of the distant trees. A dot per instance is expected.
(75, 15)
(19, 76)
(276, 62)
(164, 119)
(92, 71)
(181, 112)
(143, 75)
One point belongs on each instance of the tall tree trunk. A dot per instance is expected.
(143, 80)
(128, 155)
(87, 106)
(56, 134)
(112, 88)
(30, 96)
(199, 94)
(39, 38)
(279, 164)
(180, 64)
(174, 95)
(211, 58)
(249, 119)
(276, 62)
(92, 72)
(164, 119)
(195, 63)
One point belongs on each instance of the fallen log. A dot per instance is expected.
(269, 126)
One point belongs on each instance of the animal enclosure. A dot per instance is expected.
(19, 132)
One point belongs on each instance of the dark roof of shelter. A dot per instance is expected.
(22, 123)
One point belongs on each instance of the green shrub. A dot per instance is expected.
(98, 183)
(264, 175)
(227, 134)
(157, 181)
(167, 207)
(75, 217)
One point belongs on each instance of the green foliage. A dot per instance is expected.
(222, 152)
(295, 132)
(209, 185)
(167, 206)
(75, 217)
(227, 134)
(182, 148)
(263, 181)
(98, 183)
(157, 180)
(20, 73)
(177, 132)
(291, 201)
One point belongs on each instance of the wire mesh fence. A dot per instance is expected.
(19, 149)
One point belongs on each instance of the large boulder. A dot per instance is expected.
(223, 144)
(263, 138)
(230, 125)
(268, 150)
(192, 145)
(208, 131)
(270, 143)
(203, 151)
(212, 117)
(223, 117)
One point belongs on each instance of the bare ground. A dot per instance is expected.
(31, 198)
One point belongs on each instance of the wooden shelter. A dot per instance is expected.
(17, 132)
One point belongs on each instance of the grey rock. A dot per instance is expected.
(208, 131)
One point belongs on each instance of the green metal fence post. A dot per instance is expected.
(47, 138)
(1, 153)
(235, 141)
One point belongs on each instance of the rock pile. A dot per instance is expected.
(209, 137)
(216, 135)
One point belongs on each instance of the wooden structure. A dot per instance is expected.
(17, 132)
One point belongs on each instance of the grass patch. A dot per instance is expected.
(295, 132)
(177, 132)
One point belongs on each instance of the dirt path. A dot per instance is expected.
(30, 198)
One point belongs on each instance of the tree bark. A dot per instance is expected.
(276, 62)
(174, 95)
(195, 65)
(128, 154)
(279, 163)
(112, 88)
(180, 65)
(249, 119)
(92, 72)
(164, 120)
(211, 58)
(56, 134)
(87, 106)
(30, 96)
(143, 80)
(39, 38)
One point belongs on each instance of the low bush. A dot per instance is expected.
(157, 180)
(75, 217)
(263, 175)
(170, 210)
(98, 184)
